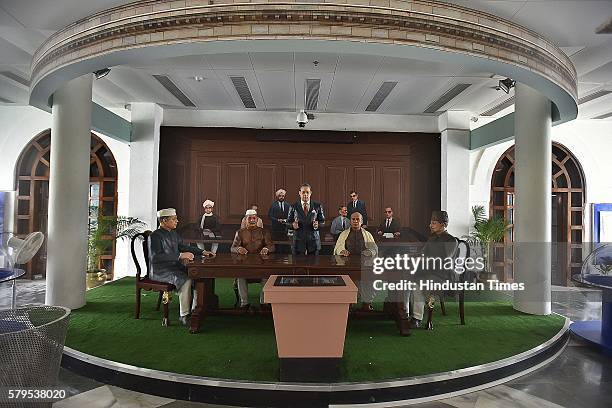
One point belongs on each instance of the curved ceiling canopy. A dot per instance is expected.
(430, 31)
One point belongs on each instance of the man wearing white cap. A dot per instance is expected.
(168, 255)
(278, 213)
(209, 225)
(251, 239)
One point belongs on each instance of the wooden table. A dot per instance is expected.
(253, 266)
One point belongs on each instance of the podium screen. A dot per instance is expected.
(306, 280)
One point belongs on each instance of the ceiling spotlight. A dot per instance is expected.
(198, 78)
(101, 73)
(505, 85)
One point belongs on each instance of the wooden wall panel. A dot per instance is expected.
(237, 197)
(208, 184)
(264, 183)
(336, 181)
(292, 177)
(235, 169)
(391, 178)
(171, 192)
(364, 182)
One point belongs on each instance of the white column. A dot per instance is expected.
(68, 194)
(532, 222)
(144, 161)
(455, 165)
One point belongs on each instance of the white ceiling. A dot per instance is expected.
(277, 82)
(348, 82)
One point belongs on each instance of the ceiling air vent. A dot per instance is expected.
(311, 94)
(174, 90)
(244, 92)
(499, 107)
(446, 98)
(380, 96)
(592, 96)
(15, 78)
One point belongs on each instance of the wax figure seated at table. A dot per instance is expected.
(244, 221)
(251, 239)
(340, 223)
(389, 225)
(168, 256)
(441, 245)
(305, 218)
(209, 224)
(358, 241)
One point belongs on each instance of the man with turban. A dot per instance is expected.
(209, 225)
(168, 256)
(278, 213)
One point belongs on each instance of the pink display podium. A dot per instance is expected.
(310, 315)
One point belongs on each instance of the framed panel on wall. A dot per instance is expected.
(602, 222)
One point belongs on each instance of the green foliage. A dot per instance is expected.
(487, 230)
(104, 230)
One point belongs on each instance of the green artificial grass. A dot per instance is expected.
(244, 347)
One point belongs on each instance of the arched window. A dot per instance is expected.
(32, 185)
(568, 198)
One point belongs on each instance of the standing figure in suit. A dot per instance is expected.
(278, 213)
(305, 218)
(389, 225)
(357, 205)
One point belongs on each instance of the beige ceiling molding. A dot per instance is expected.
(440, 27)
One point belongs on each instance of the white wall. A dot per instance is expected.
(20, 124)
(590, 141)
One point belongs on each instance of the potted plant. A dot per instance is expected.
(486, 231)
(103, 231)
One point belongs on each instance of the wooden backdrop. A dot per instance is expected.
(238, 167)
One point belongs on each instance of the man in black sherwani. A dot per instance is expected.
(169, 255)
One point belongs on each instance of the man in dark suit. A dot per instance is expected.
(357, 205)
(278, 213)
(389, 225)
(305, 218)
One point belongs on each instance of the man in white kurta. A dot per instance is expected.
(358, 241)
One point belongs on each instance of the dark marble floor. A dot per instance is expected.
(580, 377)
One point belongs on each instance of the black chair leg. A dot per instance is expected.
(236, 294)
(166, 320)
(138, 290)
(159, 300)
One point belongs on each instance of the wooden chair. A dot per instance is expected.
(145, 283)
